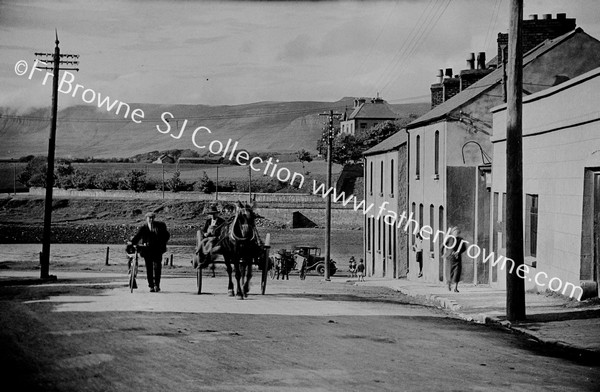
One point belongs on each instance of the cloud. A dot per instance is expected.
(299, 49)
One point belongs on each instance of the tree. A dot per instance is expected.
(304, 156)
(34, 173)
(176, 184)
(348, 149)
(205, 184)
(135, 180)
(379, 133)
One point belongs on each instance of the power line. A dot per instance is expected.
(492, 24)
(412, 34)
(421, 38)
(365, 58)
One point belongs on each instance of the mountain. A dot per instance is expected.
(89, 131)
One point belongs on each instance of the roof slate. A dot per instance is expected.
(373, 111)
(486, 83)
(391, 143)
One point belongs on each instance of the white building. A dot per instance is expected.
(561, 185)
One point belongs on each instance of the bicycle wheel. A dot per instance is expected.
(132, 278)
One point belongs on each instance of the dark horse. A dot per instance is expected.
(239, 243)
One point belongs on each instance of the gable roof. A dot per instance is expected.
(391, 143)
(486, 83)
(373, 111)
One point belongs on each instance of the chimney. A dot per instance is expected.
(481, 60)
(536, 30)
(471, 61)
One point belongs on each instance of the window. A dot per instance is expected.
(368, 220)
(381, 180)
(383, 239)
(504, 220)
(431, 224)
(392, 178)
(371, 180)
(412, 215)
(390, 232)
(379, 235)
(531, 221)
(436, 156)
(418, 158)
(441, 245)
(420, 216)
(363, 125)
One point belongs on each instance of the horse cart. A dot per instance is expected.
(239, 248)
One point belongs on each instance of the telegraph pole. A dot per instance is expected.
(55, 58)
(515, 286)
(329, 134)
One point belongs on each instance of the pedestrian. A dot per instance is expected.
(153, 237)
(352, 267)
(418, 249)
(453, 256)
(360, 271)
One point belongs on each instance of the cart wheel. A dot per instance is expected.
(271, 264)
(199, 279)
(263, 281)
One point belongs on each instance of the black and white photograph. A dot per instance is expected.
(281, 195)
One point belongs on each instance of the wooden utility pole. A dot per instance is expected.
(57, 62)
(329, 134)
(515, 286)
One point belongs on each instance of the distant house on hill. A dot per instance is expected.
(164, 158)
(366, 114)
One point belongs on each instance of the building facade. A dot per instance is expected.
(366, 114)
(561, 185)
(450, 153)
(385, 189)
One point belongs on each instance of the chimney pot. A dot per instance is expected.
(440, 75)
(471, 61)
(547, 17)
(481, 60)
(561, 16)
(449, 72)
(533, 17)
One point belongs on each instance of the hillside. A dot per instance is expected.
(87, 131)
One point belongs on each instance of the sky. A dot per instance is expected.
(234, 52)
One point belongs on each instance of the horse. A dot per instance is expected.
(239, 244)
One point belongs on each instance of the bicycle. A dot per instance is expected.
(133, 264)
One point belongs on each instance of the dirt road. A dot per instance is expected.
(87, 332)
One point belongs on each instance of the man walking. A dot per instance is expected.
(153, 238)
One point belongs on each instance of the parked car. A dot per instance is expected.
(309, 259)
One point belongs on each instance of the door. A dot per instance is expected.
(596, 231)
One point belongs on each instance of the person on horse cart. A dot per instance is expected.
(210, 230)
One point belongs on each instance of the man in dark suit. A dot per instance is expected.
(154, 236)
(212, 223)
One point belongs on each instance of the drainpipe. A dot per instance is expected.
(407, 204)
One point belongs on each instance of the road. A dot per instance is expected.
(86, 332)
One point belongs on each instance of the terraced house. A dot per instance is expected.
(449, 150)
